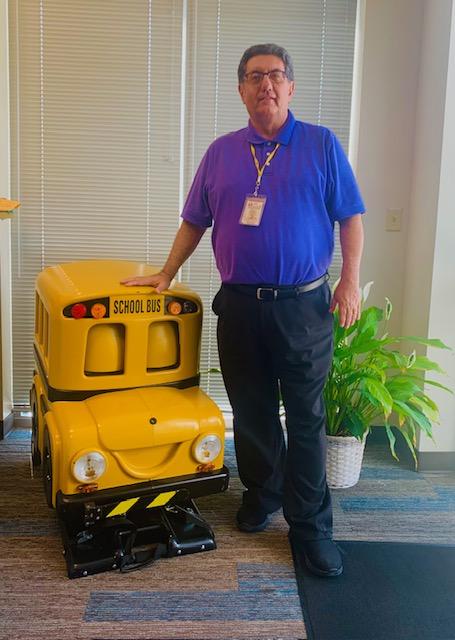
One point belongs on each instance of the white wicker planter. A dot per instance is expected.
(344, 461)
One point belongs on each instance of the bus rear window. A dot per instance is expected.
(163, 349)
(105, 350)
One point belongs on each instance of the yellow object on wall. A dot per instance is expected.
(7, 208)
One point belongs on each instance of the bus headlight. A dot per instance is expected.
(89, 466)
(207, 448)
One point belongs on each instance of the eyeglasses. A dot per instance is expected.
(276, 76)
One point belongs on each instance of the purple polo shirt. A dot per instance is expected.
(309, 185)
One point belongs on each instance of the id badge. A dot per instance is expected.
(253, 209)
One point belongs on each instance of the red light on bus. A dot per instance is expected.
(78, 310)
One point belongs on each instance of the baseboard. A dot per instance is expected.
(6, 425)
(427, 460)
(436, 460)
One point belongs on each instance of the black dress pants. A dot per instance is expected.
(267, 348)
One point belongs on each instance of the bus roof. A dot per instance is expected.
(91, 278)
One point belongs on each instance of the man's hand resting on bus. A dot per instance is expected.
(160, 281)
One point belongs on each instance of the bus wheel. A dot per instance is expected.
(47, 469)
(36, 455)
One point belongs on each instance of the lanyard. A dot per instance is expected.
(260, 169)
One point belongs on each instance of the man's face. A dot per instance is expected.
(266, 100)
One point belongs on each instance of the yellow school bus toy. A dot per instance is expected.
(124, 436)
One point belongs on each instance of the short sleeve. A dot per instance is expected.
(196, 208)
(343, 197)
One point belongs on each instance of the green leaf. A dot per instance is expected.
(421, 402)
(374, 371)
(395, 357)
(411, 446)
(369, 370)
(379, 393)
(339, 333)
(354, 424)
(432, 382)
(422, 363)
(416, 415)
(401, 388)
(431, 403)
(439, 385)
(429, 342)
(364, 395)
(392, 440)
(359, 346)
(341, 351)
(369, 322)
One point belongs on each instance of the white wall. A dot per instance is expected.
(386, 139)
(420, 247)
(405, 113)
(431, 248)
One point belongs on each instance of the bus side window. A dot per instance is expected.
(163, 345)
(41, 325)
(45, 328)
(38, 321)
(105, 351)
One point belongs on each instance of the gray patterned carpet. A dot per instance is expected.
(245, 589)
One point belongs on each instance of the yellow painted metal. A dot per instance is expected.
(144, 428)
(122, 508)
(7, 208)
(162, 499)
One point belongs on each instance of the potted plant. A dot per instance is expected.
(368, 382)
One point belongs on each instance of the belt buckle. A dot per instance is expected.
(259, 291)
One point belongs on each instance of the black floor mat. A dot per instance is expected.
(388, 591)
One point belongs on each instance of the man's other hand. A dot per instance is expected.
(347, 298)
(160, 281)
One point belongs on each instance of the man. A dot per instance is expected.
(273, 192)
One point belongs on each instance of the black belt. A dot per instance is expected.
(266, 293)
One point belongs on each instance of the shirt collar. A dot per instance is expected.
(283, 136)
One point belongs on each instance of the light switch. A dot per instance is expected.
(393, 219)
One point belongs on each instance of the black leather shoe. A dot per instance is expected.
(252, 520)
(321, 557)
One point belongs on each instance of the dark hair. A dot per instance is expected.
(266, 50)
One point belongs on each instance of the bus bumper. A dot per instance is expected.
(128, 527)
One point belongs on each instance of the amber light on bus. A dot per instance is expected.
(98, 310)
(174, 308)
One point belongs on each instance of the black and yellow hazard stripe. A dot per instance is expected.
(125, 505)
(161, 499)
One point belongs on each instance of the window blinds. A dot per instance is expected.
(113, 106)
